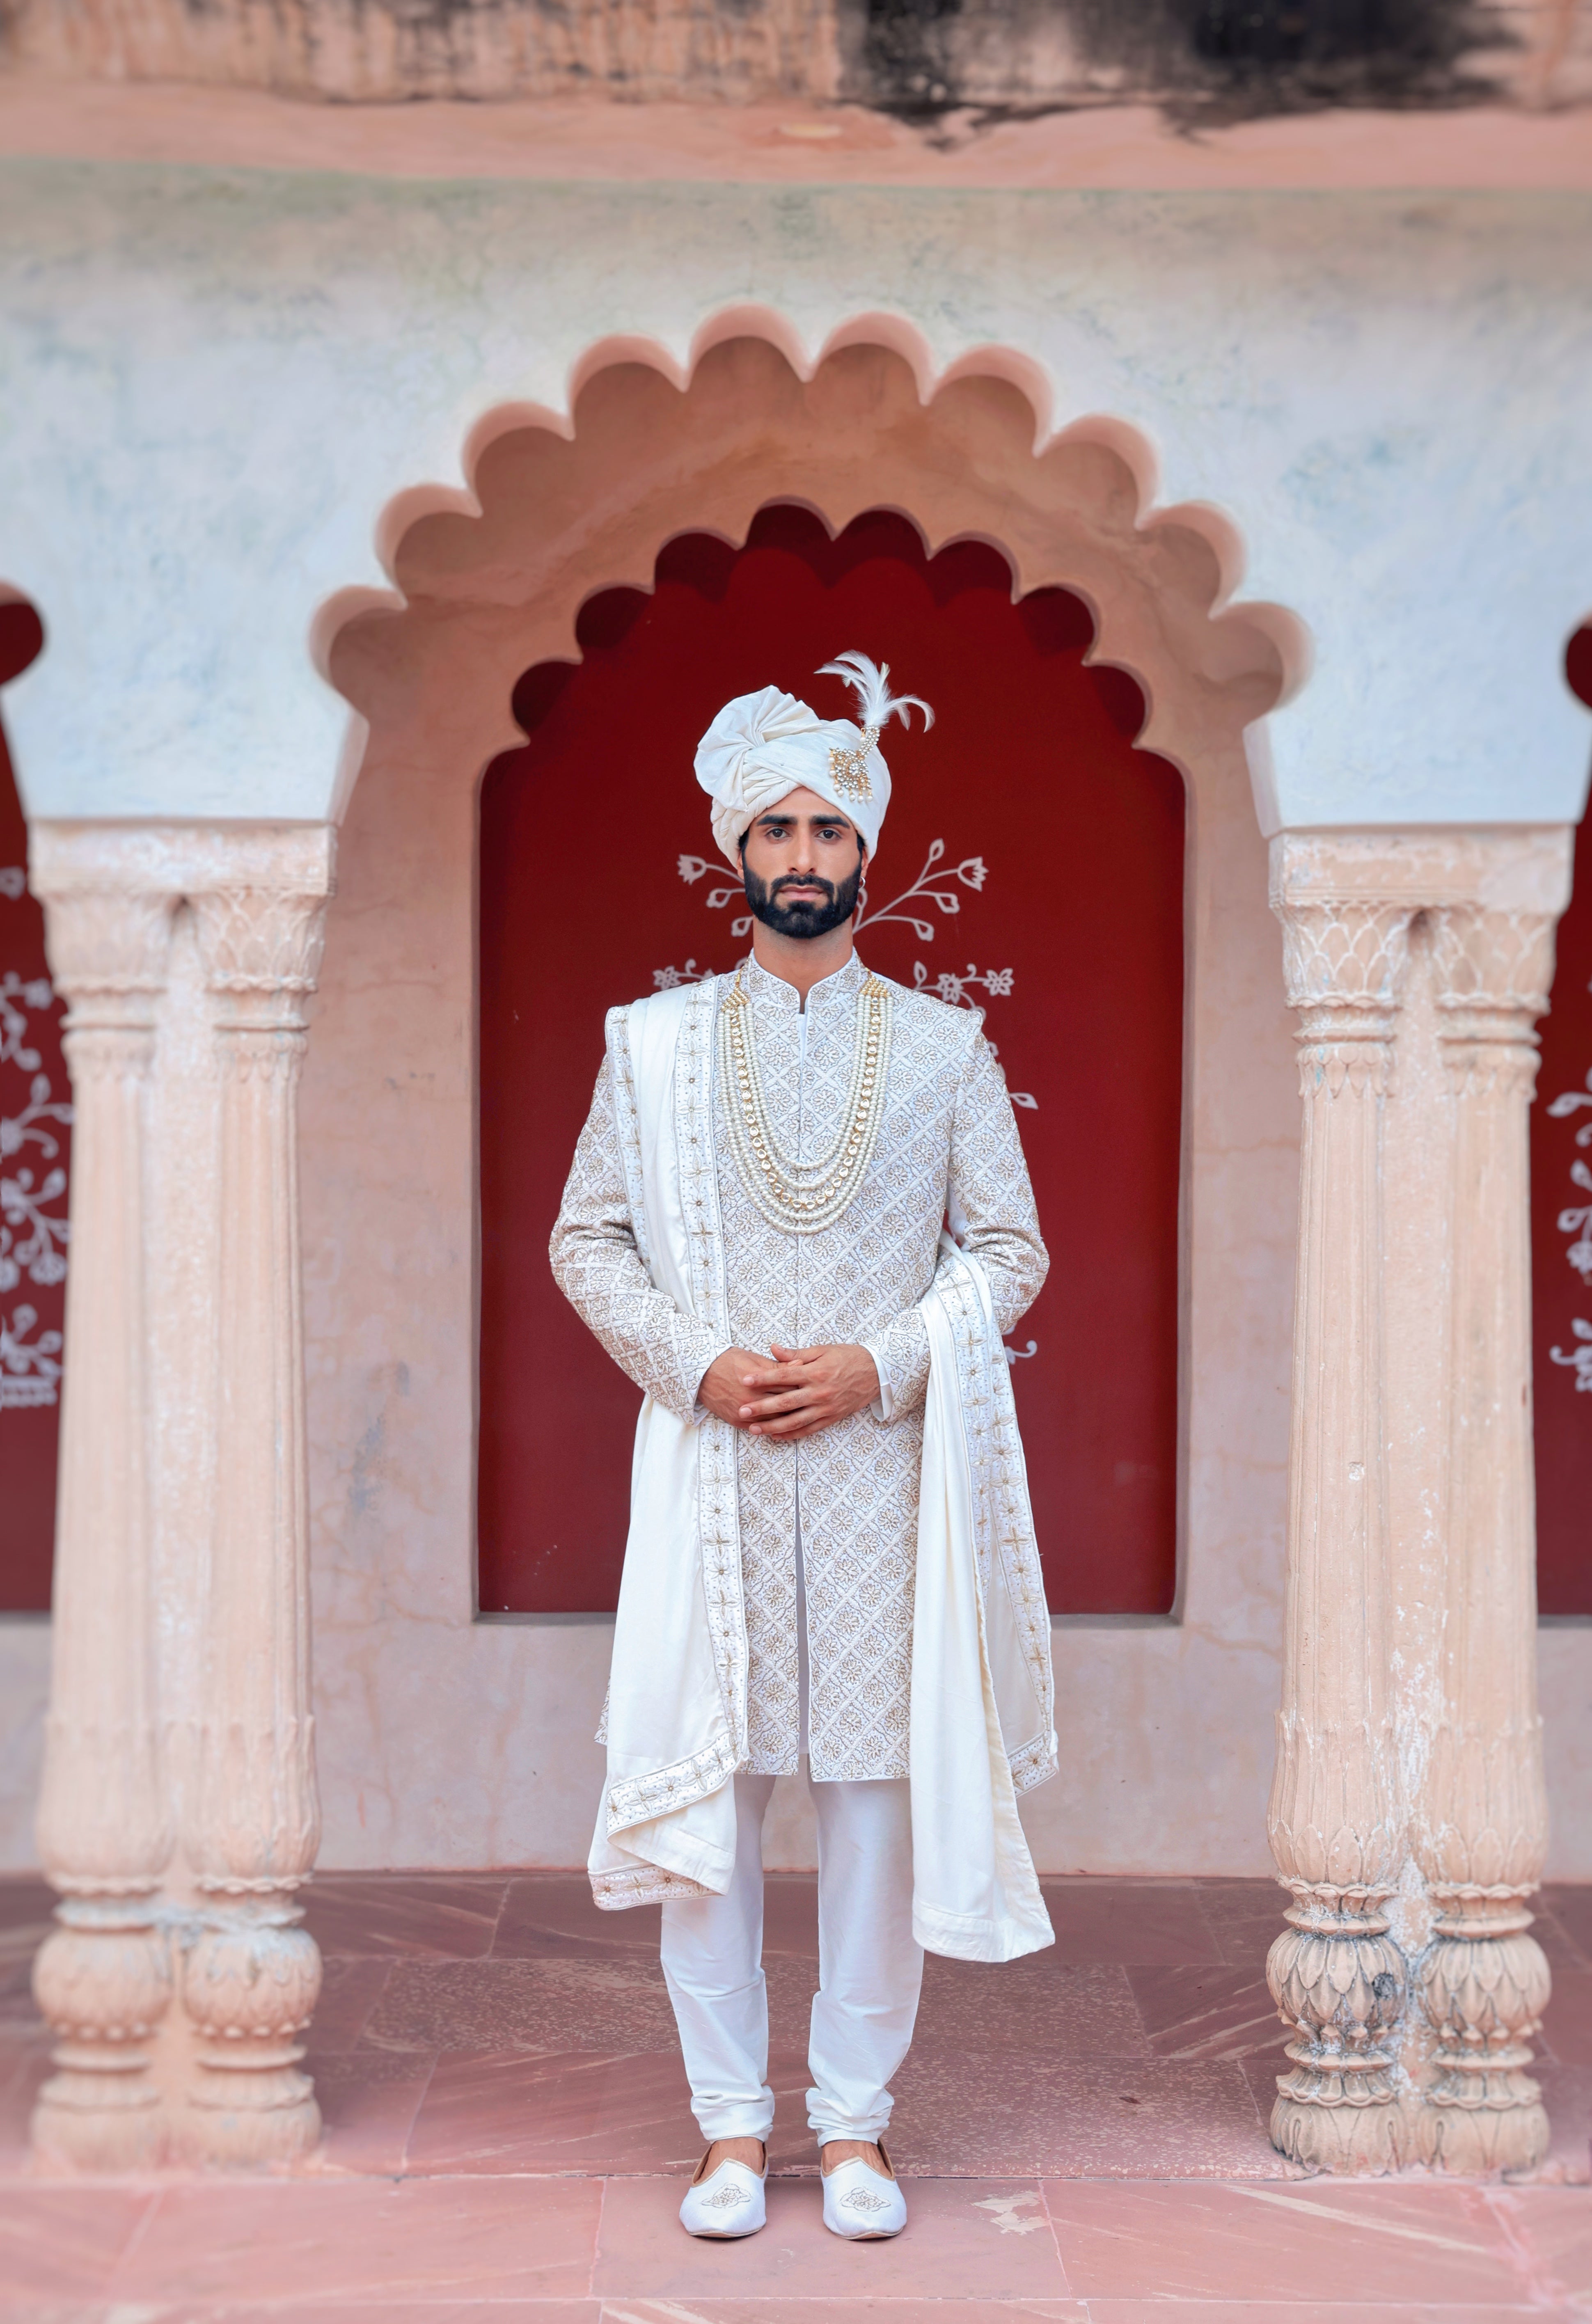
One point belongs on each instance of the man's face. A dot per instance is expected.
(803, 864)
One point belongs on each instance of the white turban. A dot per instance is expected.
(764, 746)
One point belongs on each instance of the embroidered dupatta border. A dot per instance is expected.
(718, 1506)
(1003, 1517)
(639, 1799)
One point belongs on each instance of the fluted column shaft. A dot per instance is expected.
(1481, 1826)
(1336, 1817)
(103, 1979)
(251, 1978)
(179, 1815)
(1409, 1754)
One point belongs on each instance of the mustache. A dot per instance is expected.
(811, 915)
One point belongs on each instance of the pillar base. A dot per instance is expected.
(1338, 1980)
(98, 2113)
(1477, 2136)
(1363, 2134)
(103, 1982)
(1483, 1983)
(244, 2113)
(250, 1984)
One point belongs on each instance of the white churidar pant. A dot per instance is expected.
(870, 1968)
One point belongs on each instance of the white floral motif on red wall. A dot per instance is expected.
(33, 1116)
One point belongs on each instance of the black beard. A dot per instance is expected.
(804, 919)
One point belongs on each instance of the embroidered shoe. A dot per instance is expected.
(728, 2202)
(861, 2205)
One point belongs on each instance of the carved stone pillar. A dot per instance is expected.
(103, 1978)
(1481, 1825)
(1445, 936)
(251, 1974)
(1336, 1818)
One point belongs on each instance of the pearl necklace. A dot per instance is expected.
(802, 1197)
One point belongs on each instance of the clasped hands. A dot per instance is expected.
(800, 1391)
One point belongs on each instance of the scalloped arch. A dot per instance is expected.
(557, 506)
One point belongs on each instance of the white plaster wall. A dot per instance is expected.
(214, 382)
(24, 1688)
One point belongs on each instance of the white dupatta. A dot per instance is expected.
(675, 1726)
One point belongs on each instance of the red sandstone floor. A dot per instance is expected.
(506, 2125)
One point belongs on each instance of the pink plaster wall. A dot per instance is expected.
(795, 142)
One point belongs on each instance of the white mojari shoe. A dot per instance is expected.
(728, 2202)
(859, 2204)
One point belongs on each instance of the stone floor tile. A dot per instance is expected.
(1067, 2009)
(1567, 2093)
(1260, 2071)
(516, 2111)
(25, 1901)
(72, 2311)
(368, 2306)
(1211, 2011)
(1567, 1905)
(797, 2308)
(552, 1912)
(960, 2244)
(790, 1914)
(19, 2019)
(19, 1941)
(1560, 1948)
(1362, 2241)
(372, 2239)
(1106, 1920)
(369, 2099)
(351, 1986)
(1567, 2024)
(435, 1915)
(1550, 2229)
(23, 2066)
(965, 2114)
(530, 2111)
(1227, 2310)
(792, 1980)
(1243, 1916)
(60, 2242)
(558, 2003)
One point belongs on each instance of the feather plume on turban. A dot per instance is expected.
(764, 746)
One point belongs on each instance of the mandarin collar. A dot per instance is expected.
(772, 991)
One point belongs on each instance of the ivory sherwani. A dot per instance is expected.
(948, 1143)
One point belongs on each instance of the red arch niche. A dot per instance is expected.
(1561, 1237)
(1039, 861)
(35, 1142)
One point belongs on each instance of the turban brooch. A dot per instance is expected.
(763, 746)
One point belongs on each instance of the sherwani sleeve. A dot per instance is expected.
(598, 1268)
(989, 1201)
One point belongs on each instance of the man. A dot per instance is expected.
(830, 1551)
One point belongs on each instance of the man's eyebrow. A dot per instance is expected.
(773, 815)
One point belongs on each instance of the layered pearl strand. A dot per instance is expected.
(803, 1197)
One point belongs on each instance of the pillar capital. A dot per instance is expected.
(1503, 868)
(260, 914)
